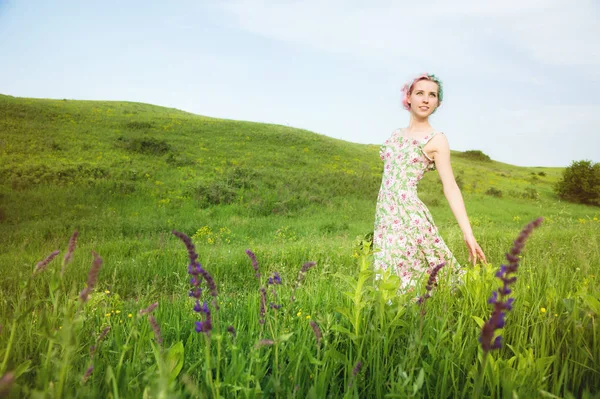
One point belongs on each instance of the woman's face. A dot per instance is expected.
(424, 98)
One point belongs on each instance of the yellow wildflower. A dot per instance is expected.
(130, 315)
(543, 310)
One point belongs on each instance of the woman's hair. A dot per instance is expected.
(408, 87)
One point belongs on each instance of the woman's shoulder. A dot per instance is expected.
(436, 141)
(436, 133)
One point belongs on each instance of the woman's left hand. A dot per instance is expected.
(475, 250)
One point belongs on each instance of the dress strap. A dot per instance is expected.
(426, 140)
(431, 135)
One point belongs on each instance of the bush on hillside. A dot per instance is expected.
(178, 160)
(139, 125)
(530, 193)
(494, 192)
(475, 155)
(225, 189)
(459, 180)
(147, 146)
(580, 183)
(26, 176)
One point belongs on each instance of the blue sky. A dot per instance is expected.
(521, 77)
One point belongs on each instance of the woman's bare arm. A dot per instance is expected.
(440, 151)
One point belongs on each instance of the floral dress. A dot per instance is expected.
(405, 238)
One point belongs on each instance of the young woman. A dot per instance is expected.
(405, 238)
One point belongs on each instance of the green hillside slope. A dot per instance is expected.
(130, 169)
(124, 175)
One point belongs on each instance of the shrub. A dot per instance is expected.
(217, 192)
(580, 183)
(23, 177)
(494, 192)
(148, 146)
(431, 201)
(475, 155)
(178, 160)
(530, 193)
(542, 174)
(334, 227)
(225, 189)
(459, 181)
(138, 125)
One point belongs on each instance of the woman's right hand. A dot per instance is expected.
(474, 249)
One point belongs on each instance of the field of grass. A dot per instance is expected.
(125, 175)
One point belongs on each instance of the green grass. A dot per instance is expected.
(126, 174)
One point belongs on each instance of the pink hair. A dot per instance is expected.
(408, 87)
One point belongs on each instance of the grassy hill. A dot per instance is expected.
(126, 174)
(136, 171)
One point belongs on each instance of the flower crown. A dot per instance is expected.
(424, 76)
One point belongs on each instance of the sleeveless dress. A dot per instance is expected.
(406, 241)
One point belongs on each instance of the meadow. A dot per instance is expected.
(115, 319)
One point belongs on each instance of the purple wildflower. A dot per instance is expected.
(206, 325)
(149, 309)
(356, 369)
(275, 280)
(156, 328)
(431, 282)
(498, 299)
(264, 342)
(92, 277)
(196, 270)
(102, 335)
(317, 331)
(209, 281)
(88, 373)
(263, 304)
(41, 266)
(252, 257)
(189, 245)
(305, 267)
(231, 330)
(70, 250)
(6, 383)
